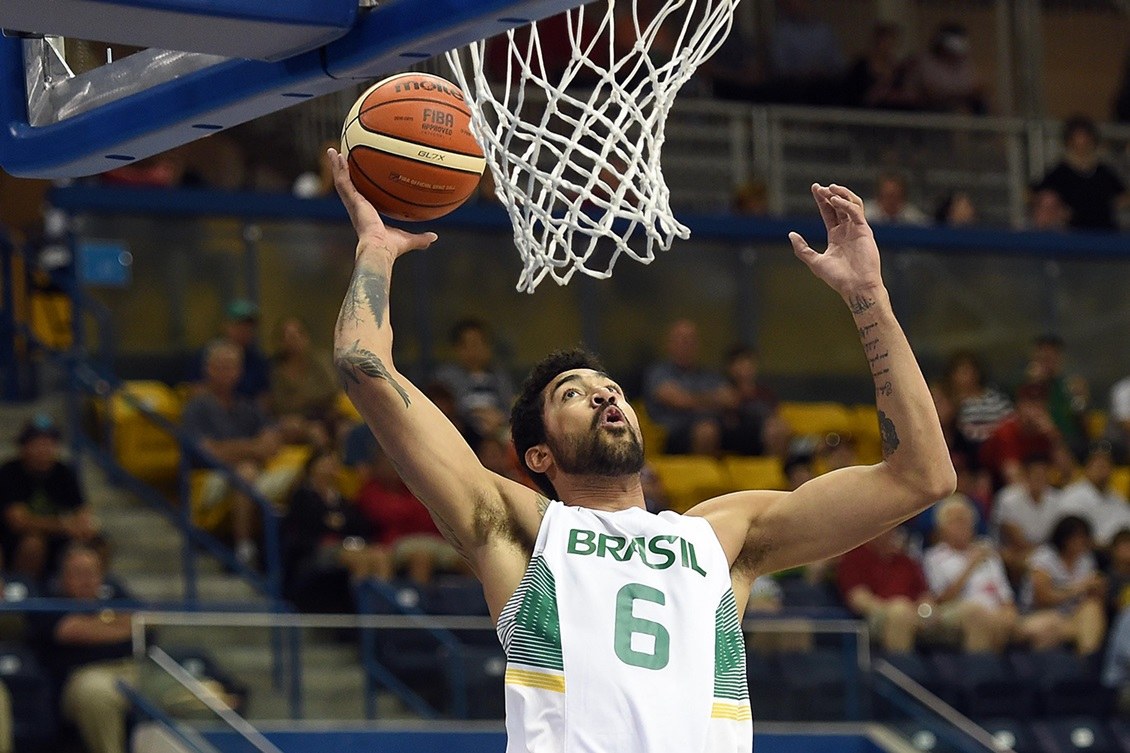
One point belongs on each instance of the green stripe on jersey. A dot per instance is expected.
(530, 628)
(729, 651)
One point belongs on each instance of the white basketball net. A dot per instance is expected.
(575, 155)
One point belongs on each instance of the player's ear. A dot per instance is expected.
(538, 458)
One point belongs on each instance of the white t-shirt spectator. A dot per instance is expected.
(1106, 511)
(1047, 560)
(1015, 505)
(986, 585)
(1120, 400)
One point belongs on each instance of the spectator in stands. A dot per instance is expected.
(978, 408)
(325, 532)
(1067, 395)
(751, 199)
(1122, 99)
(752, 426)
(1118, 573)
(736, 71)
(1047, 211)
(1025, 512)
(878, 77)
(1064, 582)
(303, 388)
(806, 60)
(686, 399)
(1028, 431)
(234, 430)
(944, 78)
(241, 327)
(891, 205)
(968, 580)
(89, 651)
(1092, 497)
(483, 390)
(403, 524)
(882, 584)
(1116, 662)
(956, 209)
(1118, 422)
(314, 184)
(42, 507)
(1090, 188)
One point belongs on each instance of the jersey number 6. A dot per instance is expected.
(627, 624)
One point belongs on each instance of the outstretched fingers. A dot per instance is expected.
(846, 203)
(827, 212)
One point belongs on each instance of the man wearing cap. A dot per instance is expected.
(241, 327)
(41, 502)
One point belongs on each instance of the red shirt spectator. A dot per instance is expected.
(1029, 431)
(886, 573)
(394, 511)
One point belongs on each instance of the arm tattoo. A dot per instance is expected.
(889, 434)
(358, 360)
(364, 287)
(858, 304)
(543, 505)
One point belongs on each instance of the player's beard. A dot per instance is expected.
(599, 452)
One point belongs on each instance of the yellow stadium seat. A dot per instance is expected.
(346, 409)
(141, 446)
(689, 479)
(817, 419)
(349, 482)
(1120, 480)
(755, 473)
(654, 435)
(865, 430)
(51, 319)
(1096, 422)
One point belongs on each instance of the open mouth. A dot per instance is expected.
(612, 416)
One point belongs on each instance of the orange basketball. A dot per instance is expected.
(410, 147)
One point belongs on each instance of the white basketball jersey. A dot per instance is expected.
(624, 637)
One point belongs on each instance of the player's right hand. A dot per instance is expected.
(372, 233)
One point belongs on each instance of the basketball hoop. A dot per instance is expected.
(574, 146)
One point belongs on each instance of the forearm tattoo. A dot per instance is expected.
(366, 289)
(878, 360)
(356, 361)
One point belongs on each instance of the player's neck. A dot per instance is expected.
(602, 492)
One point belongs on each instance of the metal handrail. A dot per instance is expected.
(271, 585)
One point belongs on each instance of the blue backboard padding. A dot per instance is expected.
(384, 40)
(363, 741)
(232, 28)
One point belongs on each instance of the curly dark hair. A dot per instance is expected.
(527, 425)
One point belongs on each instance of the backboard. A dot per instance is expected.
(206, 65)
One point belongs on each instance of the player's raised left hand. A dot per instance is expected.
(850, 265)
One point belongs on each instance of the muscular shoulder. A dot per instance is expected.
(735, 519)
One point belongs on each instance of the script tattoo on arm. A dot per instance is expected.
(448, 534)
(357, 360)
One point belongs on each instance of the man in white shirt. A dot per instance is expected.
(1092, 498)
(968, 580)
(1118, 430)
(1025, 513)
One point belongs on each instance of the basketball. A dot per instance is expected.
(410, 148)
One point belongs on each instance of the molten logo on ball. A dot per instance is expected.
(410, 147)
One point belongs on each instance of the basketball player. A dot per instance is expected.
(622, 628)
